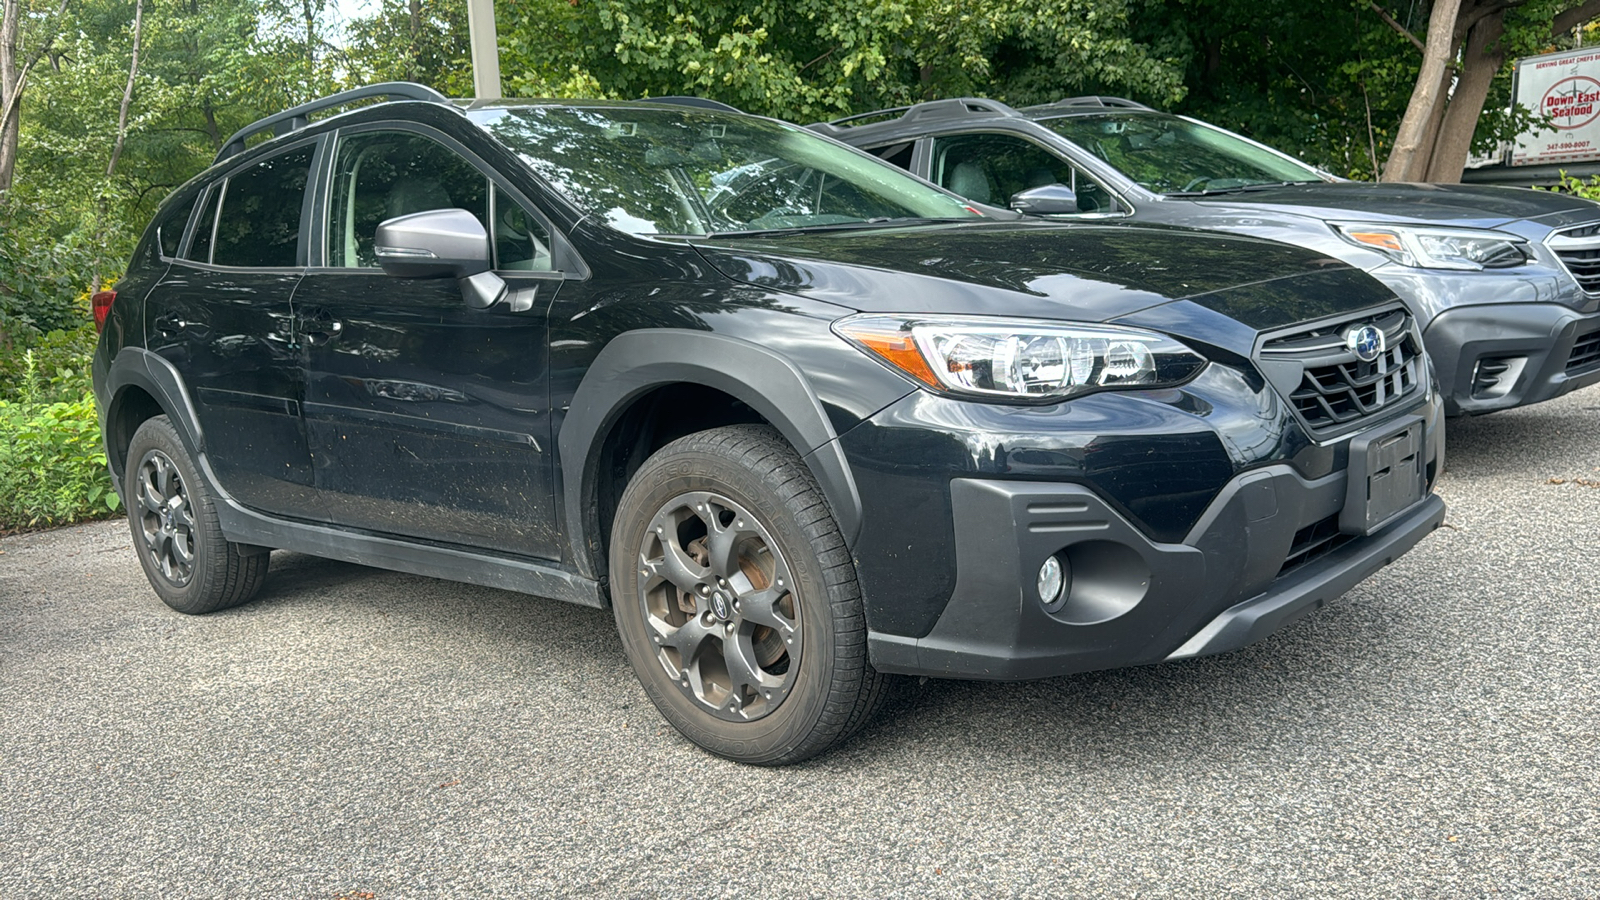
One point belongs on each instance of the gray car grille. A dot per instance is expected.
(1337, 390)
(1579, 250)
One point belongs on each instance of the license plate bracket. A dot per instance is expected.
(1386, 476)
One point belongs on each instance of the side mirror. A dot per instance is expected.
(437, 243)
(1046, 200)
(441, 243)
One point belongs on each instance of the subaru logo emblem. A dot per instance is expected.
(1366, 342)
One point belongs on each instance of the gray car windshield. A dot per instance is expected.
(680, 171)
(1169, 155)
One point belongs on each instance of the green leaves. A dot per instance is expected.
(809, 60)
(52, 467)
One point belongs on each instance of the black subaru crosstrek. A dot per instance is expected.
(801, 419)
(1505, 281)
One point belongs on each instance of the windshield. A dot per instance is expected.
(1170, 155)
(685, 171)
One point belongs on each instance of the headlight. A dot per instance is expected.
(1440, 248)
(1020, 359)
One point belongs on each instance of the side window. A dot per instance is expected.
(992, 168)
(169, 229)
(260, 221)
(521, 242)
(200, 245)
(379, 175)
(898, 154)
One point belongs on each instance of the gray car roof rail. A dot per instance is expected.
(695, 103)
(1092, 100)
(298, 117)
(930, 111)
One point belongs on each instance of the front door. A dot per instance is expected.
(222, 316)
(428, 418)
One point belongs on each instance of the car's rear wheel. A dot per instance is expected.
(193, 568)
(737, 600)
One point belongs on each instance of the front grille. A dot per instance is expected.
(1336, 388)
(1314, 542)
(1579, 250)
(1585, 353)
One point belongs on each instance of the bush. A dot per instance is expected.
(1570, 184)
(42, 288)
(52, 466)
(54, 368)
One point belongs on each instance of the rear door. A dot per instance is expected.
(428, 418)
(222, 316)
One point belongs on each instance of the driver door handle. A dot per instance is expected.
(318, 327)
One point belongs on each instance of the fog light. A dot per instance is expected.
(1050, 581)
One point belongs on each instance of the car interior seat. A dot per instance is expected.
(968, 180)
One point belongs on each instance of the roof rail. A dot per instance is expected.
(1091, 100)
(932, 110)
(299, 117)
(695, 102)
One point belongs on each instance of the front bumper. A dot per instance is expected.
(1505, 355)
(1249, 566)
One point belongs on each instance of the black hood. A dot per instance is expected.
(1478, 206)
(1068, 272)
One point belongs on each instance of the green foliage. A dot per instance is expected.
(812, 59)
(54, 369)
(39, 290)
(1569, 184)
(52, 467)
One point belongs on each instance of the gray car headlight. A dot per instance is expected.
(1020, 359)
(1439, 248)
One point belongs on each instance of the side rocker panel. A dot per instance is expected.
(638, 361)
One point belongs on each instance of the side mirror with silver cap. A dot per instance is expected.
(1046, 200)
(441, 243)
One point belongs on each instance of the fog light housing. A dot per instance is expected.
(1050, 582)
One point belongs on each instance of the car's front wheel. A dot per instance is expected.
(191, 565)
(737, 600)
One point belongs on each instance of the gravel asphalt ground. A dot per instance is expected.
(358, 733)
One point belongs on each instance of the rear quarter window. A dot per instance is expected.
(259, 226)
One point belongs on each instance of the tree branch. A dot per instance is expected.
(1384, 15)
(127, 92)
(22, 78)
(1572, 18)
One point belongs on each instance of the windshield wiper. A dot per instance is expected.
(880, 222)
(1241, 188)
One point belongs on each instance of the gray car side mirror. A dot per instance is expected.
(1046, 200)
(433, 244)
(440, 243)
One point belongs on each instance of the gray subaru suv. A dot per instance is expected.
(1505, 281)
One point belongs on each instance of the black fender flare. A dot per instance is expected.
(638, 361)
(138, 367)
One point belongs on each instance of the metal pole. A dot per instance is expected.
(485, 49)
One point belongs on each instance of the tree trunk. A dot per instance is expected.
(311, 39)
(127, 92)
(10, 107)
(1426, 97)
(414, 72)
(1430, 134)
(1480, 60)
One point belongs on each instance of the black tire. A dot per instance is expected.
(193, 568)
(814, 686)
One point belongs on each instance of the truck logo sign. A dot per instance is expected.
(1572, 102)
(1366, 342)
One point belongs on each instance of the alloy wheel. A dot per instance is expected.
(166, 519)
(718, 605)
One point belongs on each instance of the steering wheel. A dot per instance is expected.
(1198, 181)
